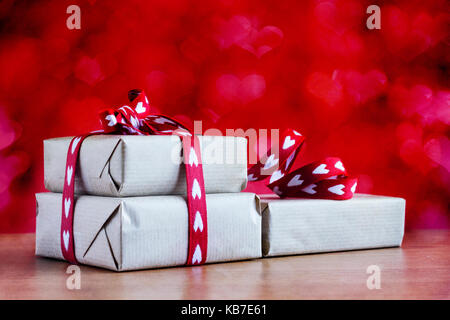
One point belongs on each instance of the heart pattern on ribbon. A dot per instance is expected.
(196, 192)
(75, 142)
(197, 256)
(140, 108)
(69, 175)
(66, 238)
(321, 169)
(193, 157)
(324, 179)
(67, 204)
(295, 181)
(271, 161)
(310, 189)
(198, 222)
(288, 142)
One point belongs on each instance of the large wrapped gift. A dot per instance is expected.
(299, 226)
(122, 166)
(149, 232)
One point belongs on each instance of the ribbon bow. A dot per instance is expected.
(324, 179)
(135, 118)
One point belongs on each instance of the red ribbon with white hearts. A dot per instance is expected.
(324, 179)
(135, 118)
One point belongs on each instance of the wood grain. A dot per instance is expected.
(418, 270)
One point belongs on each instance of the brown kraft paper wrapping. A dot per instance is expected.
(300, 226)
(123, 166)
(149, 232)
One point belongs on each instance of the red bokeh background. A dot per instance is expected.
(379, 99)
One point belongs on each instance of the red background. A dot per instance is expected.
(379, 99)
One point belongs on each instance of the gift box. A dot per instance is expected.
(121, 165)
(148, 232)
(300, 226)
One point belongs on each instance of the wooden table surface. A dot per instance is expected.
(418, 270)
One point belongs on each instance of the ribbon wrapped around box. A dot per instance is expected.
(149, 232)
(136, 165)
(301, 226)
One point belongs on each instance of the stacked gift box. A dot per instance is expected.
(131, 211)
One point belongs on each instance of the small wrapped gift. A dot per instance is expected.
(149, 232)
(121, 165)
(299, 226)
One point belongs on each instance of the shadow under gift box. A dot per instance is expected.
(148, 232)
(123, 166)
(301, 226)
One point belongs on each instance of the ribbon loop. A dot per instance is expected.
(135, 118)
